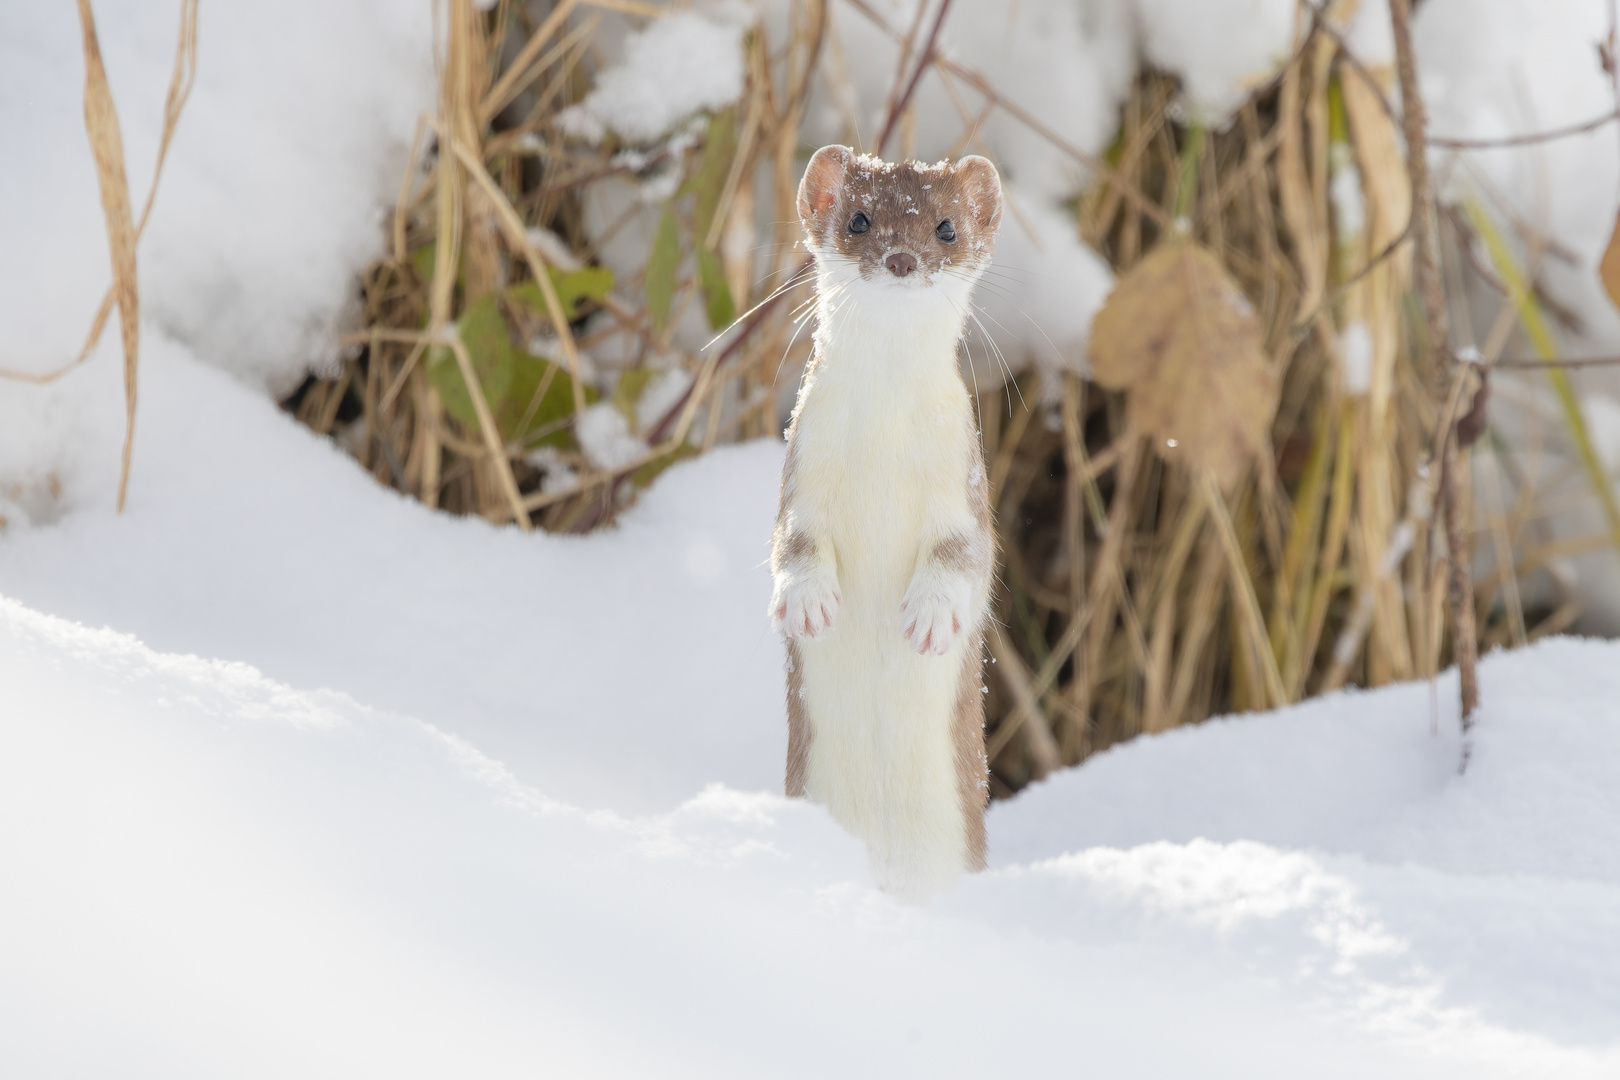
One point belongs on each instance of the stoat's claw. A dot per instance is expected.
(805, 608)
(933, 613)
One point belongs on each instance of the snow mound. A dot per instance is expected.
(1538, 796)
(485, 800)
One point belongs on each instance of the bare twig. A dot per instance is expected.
(1574, 362)
(923, 62)
(1527, 139)
(523, 68)
(1425, 231)
(1108, 174)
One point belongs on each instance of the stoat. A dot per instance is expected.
(884, 550)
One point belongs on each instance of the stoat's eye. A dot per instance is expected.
(859, 223)
(946, 231)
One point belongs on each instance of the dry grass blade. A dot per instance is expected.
(107, 145)
(1026, 716)
(1249, 616)
(1522, 301)
(492, 435)
(180, 84)
(523, 68)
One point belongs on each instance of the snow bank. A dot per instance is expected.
(324, 579)
(507, 802)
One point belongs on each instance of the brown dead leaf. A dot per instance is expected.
(1609, 268)
(101, 120)
(1181, 337)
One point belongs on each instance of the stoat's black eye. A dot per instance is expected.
(859, 223)
(946, 231)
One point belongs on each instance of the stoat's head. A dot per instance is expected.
(903, 226)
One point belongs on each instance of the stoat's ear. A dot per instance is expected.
(818, 191)
(982, 185)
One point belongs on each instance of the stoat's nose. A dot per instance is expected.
(901, 263)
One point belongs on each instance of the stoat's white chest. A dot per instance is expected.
(882, 437)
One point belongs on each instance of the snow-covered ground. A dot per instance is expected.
(346, 786)
(298, 778)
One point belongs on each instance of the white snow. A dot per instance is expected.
(492, 800)
(604, 434)
(660, 395)
(298, 777)
(1356, 358)
(678, 66)
(1222, 49)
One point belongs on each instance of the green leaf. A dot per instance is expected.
(661, 267)
(710, 180)
(489, 345)
(422, 260)
(716, 293)
(541, 426)
(573, 287)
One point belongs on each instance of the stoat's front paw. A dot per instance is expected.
(934, 612)
(805, 607)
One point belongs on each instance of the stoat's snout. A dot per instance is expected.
(901, 263)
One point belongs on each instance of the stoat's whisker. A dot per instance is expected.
(1057, 353)
(806, 274)
(809, 308)
(1005, 367)
(1003, 270)
(973, 372)
(994, 350)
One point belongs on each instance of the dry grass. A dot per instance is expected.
(1142, 588)
(123, 232)
(497, 168)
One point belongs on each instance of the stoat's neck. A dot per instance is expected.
(884, 340)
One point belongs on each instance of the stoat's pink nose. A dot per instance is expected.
(900, 263)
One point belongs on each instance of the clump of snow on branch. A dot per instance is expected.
(604, 434)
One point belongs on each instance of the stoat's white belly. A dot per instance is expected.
(881, 752)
